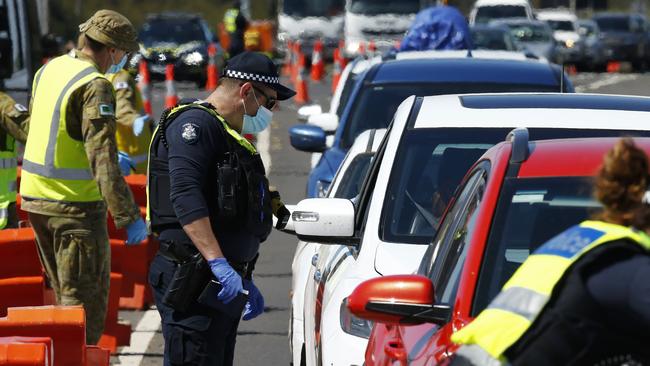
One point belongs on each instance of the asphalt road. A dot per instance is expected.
(264, 340)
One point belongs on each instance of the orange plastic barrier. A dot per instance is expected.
(14, 354)
(133, 262)
(65, 325)
(116, 333)
(138, 185)
(96, 356)
(18, 244)
(24, 291)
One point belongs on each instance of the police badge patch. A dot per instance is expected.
(190, 133)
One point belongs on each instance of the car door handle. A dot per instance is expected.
(314, 260)
(317, 276)
(394, 349)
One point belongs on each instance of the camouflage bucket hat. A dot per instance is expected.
(112, 29)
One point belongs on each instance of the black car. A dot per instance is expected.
(180, 39)
(625, 37)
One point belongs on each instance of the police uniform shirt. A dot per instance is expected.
(196, 143)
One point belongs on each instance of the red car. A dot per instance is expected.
(515, 198)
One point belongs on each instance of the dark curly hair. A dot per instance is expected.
(621, 184)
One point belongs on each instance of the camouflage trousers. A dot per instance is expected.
(76, 255)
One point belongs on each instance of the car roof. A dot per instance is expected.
(465, 69)
(500, 2)
(538, 110)
(579, 157)
(556, 14)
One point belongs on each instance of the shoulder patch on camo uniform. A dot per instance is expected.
(106, 110)
(121, 85)
(20, 108)
(190, 133)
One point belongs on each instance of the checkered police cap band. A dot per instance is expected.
(252, 77)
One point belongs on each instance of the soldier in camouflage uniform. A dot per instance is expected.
(14, 121)
(70, 169)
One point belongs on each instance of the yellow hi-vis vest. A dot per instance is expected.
(528, 291)
(229, 20)
(127, 141)
(179, 108)
(55, 166)
(8, 178)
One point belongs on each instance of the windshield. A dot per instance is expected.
(345, 93)
(492, 39)
(375, 105)
(486, 13)
(615, 24)
(177, 31)
(313, 8)
(430, 163)
(353, 177)
(374, 7)
(530, 212)
(530, 33)
(561, 25)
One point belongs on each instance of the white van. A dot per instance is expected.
(383, 22)
(486, 10)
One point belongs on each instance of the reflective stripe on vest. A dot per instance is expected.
(528, 291)
(57, 169)
(4, 214)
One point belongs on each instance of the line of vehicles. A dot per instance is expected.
(435, 174)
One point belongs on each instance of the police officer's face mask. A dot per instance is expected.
(258, 122)
(116, 67)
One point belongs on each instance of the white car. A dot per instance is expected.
(484, 11)
(429, 147)
(565, 31)
(346, 184)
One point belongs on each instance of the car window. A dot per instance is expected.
(446, 267)
(352, 179)
(159, 32)
(529, 212)
(345, 93)
(487, 13)
(561, 25)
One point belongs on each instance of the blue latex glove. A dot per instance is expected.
(230, 280)
(138, 124)
(255, 304)
(126, 164)
(136, 232)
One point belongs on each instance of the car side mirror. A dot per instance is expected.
(308, 138)
(307, 111)
(329, 122)
(325, 220)
(398, 299)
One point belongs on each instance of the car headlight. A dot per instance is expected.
(569, 43)
(321, 188)
(352, 47)
(352, 325)
(193, 58)
(283, 37)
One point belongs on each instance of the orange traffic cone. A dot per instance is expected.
(286, 67)
(144, 84)
(171, 99)
(336, 74)
(212, 72)
(302, 94)
(613, 66)
(317, 63)
(372, 49)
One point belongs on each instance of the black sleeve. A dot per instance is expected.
(194, 140)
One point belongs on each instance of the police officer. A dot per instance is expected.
(235, 23)
(583, 297)
(70, 171)
(210, 206)
(14, 121)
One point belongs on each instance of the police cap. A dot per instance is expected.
(257, 67)
(112, 29)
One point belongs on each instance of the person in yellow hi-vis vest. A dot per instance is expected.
(14, 121)
(133, 124)
(583, 297)
(70, 168)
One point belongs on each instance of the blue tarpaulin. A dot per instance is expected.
(438, 28)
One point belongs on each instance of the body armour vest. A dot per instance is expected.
(242, 199)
